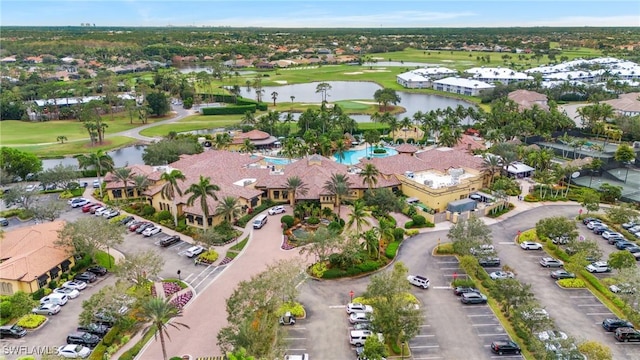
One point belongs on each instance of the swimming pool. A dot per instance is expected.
(278, 161)
(351, 157)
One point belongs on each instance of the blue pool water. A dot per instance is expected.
(278, 161)
(351, 157)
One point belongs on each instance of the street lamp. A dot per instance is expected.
(402, 351)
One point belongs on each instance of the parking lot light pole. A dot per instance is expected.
(179, 275)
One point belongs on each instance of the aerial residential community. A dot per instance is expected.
(297, 183)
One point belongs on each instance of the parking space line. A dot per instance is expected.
(486, 324)
(427, 358)
(597, 314)
(336, 306)
(581, 305)
(458, 275)
(425, 325)
(296, 349)
(442, 287)
(452, 268)
(506, 243)
(423, 336)
(293, 338)
(581, 297)
(425, 346)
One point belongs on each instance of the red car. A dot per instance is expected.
(93, 209)
(88, 207)
(135, 227)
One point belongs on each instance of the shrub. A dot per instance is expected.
(208, 257)
(111, 336)
(335, 227)
(463, 283)
(412, 232)
(98, 352)
(418, 220)
(313, 220)
(295, 308)
(398, 234)
(147, 210)
(352, 271)
(163, 215)
(333, 273)
(5, 309)
(408, 224)
(369, 266)
(38, 294)
(318, 269)
(572, 283)
(391, 250)
(288, 220)
(445, 249)
(117, 218)
(379, 151)
(31, 321)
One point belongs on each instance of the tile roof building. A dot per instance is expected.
(31, 259)
(527, 99)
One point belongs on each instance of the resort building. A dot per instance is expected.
(626, 104)
(528, 99)
(31, 259)
(422, 78)
(495, 75)
(461, 86)
(259, 139)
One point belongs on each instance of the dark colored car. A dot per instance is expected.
(599, 230)
(13, 331)
(473, 298)
(104, 319)
(98, 270)
(86, 276)
(169, 241)
(135, 226)
(142, 227)
(587, 220)
(95, 329)
(623, 244)
(463, 290)
(489, 262)
(125, 220)
(505, 347)
(614, 239)
(612, 324)
(627, 334)
(83, 338)
(4, 221)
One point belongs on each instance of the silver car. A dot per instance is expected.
(46, 309)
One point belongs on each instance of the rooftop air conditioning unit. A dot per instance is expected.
(247, 182)
(428, 183)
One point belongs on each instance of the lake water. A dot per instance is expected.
(122, 157)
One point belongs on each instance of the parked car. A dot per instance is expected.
(150, 231)
(611, 324)
(531, 245)
(598, 230)
(505, 347)
(489, 262)
(552, 335)
(550, 262)
(74, 351)
(13, 331)
(83, 338)
(561, 240)
(358, 307)
(598, 267)
(169, 241)
(71, 293)
(501, 275)
(562, 274)
(88, 206)
(623, 244)
(4, 221)
(86, 276)
(287, 319)
(483, 249)
(276, 210)
(463, 290)
(194, 250)
(77, 202)
(622, 289)
(98, 270)
(47, 309)
(111, 214)
(135, 225)
(627, 334)
(102, 318)
(629, 225)
(593, 224)
(614, 239)
(93, 209)
(143, 227)
(96, 184)
(609, 233)
(55, 298)
(94, 328)
(126, 220)
(78, 285)
(473, 298)
(359, 317)
(537, 313)
(99, 211)
(587, 220)
(419, 281)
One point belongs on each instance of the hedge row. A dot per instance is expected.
(228, 110)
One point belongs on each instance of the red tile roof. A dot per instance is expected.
(443, 159)
(406, 148)
(468, 143)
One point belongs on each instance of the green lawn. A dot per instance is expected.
(75, 147)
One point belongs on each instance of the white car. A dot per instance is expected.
(552, 335)
(593, 224)
(501, 275)
(537, 313)
(71, 293)
(193, 251)
(79, 203)
(101, 210)
(483, 249)
(608, 234)
(297, 357)
(75, 200)
(75, 284)
(419, 281)
(151, 231)
(598, 267)
(531, 245)
(277, 210)
(358, 307)
(74, 351)
(359, 317)
(54, 298)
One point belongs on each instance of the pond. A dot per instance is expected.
(129, 155)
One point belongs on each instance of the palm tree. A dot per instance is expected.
(202, 190)
(140, 183)
(222, 140)
(229, 208)
(159, 312)
(99, 160)
(338, 186)
(171, 188)
(492, 164)
(123, 174)
(358, 216)
(247, 146)
(372, 241)
(370, 175)
(340, 149)
(274, 96)
(295, 186)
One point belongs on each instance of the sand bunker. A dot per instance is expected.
(282, 82)
(354, 73)
(366, 102)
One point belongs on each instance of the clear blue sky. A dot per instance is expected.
(321, 13)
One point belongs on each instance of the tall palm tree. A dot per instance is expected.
(338, 186)
(222, 140)
(202, 190)
(370, 175)
(492, 164)
(124, 174)
(295, 186)
(171, 188)
(247, 146)
(99, 160)
(358, 216)
(229, 208)
(340, 149)
(158, 312)
(140, 183)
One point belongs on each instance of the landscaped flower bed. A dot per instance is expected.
(181, 300)
(31, 321)
(170, 288)
(225, 261)
(286, 244)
